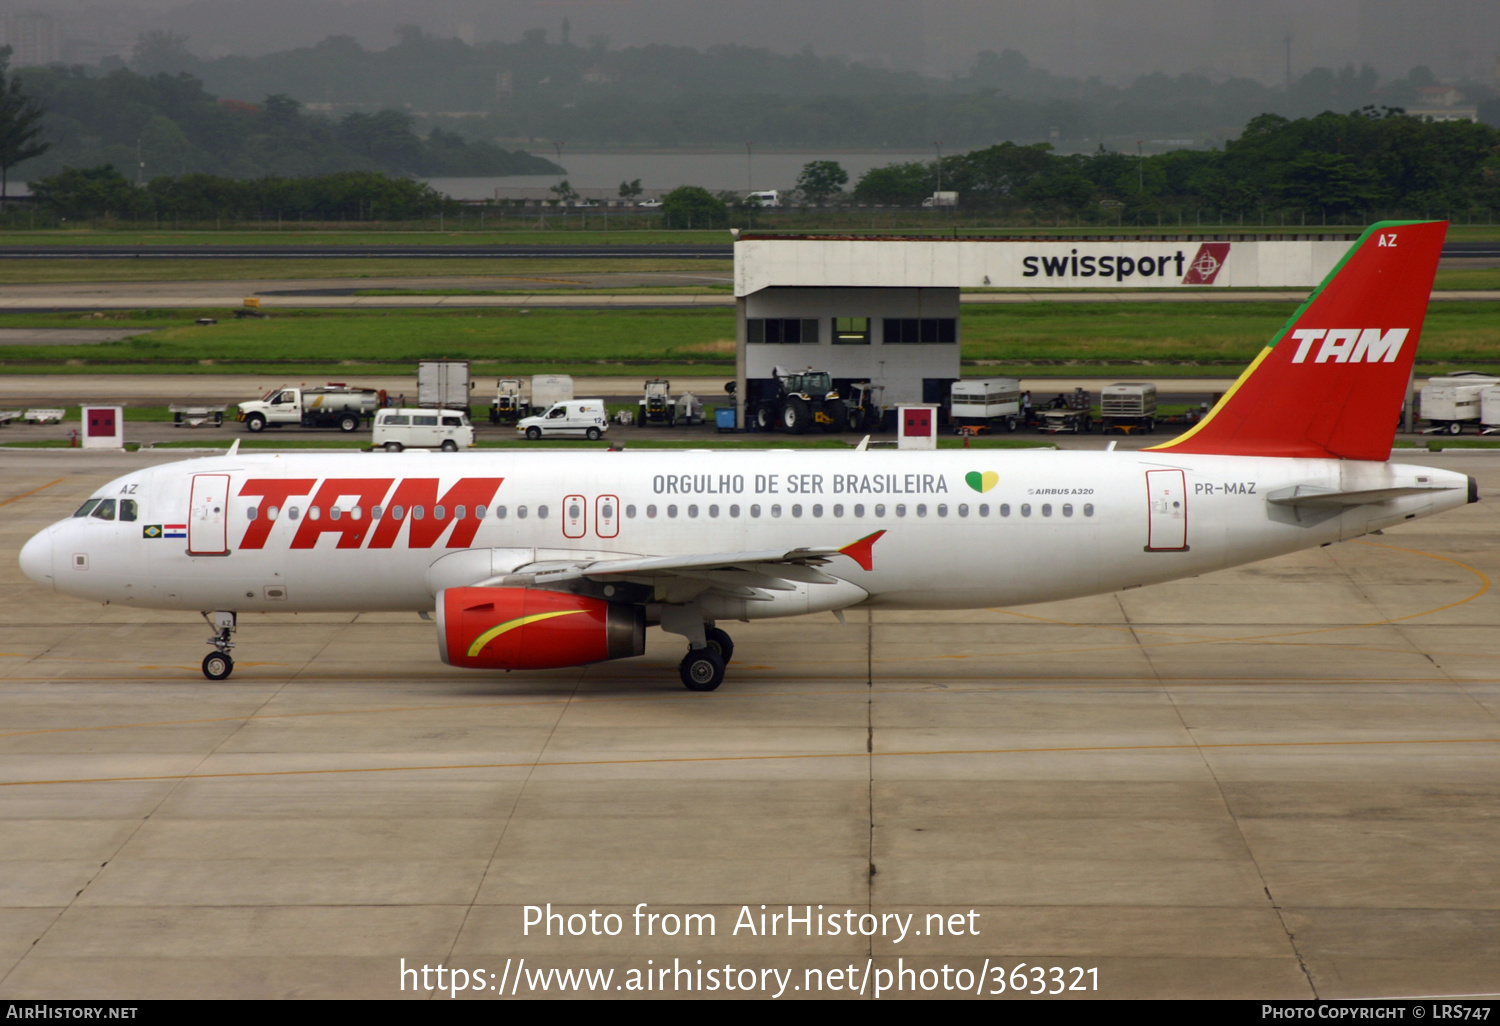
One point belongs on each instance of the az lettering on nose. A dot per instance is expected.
(1349, 345)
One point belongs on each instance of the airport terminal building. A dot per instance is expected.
(887, 310)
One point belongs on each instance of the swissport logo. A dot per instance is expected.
(1349, 345)
(1205, 266)
(1203, 269)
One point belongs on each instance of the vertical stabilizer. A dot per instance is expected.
(1330, 384)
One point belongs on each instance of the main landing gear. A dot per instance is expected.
(702, 669)
(218, 664)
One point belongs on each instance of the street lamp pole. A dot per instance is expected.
(938, 146)
(749, 169)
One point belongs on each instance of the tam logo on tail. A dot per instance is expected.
(1350, 345)
(1334, 392)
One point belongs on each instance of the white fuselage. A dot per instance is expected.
(963, 529)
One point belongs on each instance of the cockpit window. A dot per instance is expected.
(105, 510)
(87, 508)
(127, 509)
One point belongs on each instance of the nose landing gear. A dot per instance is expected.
(218, 664)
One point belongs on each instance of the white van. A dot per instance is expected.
(421, 428)
(577, 417)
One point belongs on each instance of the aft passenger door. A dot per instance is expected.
(208, 516)
(1166, 491)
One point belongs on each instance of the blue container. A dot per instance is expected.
(724, 417)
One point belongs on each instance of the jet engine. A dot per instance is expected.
(530, 629)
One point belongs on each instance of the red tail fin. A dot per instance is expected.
(1330, 383)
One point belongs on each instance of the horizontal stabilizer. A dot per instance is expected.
(1314, 497)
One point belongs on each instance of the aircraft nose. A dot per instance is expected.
(36, 558)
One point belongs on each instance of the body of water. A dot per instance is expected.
(666, 170)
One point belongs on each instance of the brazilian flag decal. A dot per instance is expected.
(151, 531)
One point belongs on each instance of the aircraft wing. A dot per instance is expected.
(738, 573)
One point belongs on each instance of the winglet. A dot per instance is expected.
(860, 551)
(234, 449)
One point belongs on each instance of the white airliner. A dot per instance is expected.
(536, 560)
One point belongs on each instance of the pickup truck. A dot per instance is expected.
(331, 406)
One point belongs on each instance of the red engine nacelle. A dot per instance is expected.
(526, 629)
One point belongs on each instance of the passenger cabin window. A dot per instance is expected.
(422, 421)
(452, 422)
(396, 420)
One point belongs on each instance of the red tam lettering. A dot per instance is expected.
(368, 491)
(274, 492)
(422, 491)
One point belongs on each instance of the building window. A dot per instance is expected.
(851, 331)
(927, 331)
(781, 331)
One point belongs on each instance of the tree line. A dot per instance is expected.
(171, 125)
(536, 89)
(1370, 161)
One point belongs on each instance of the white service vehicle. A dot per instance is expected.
(985, 404)
(533, 561)
(576, 418)
(1451, 401)
(550, 389)
(444, 384)
(408, 428)
(1128, 406)
(333, 405)
(764, 198)
(1489, 410)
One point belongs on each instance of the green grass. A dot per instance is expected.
(54, 272)
(57, 443)
(1439, 444)
(634, 290)
(1026, 340)
(514, 233)
(1480, 278)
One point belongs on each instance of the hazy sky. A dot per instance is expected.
(1111, 38)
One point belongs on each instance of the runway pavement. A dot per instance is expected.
(1276, 781)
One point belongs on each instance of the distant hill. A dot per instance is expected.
(174, 126)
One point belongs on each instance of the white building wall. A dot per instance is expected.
(900, 368)
(1021, 264)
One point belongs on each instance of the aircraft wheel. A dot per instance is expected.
(533, 433)
(394, 446)
(702, 669)
(721, 642)
(217, 665)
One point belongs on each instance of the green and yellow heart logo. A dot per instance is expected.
(981, 482)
